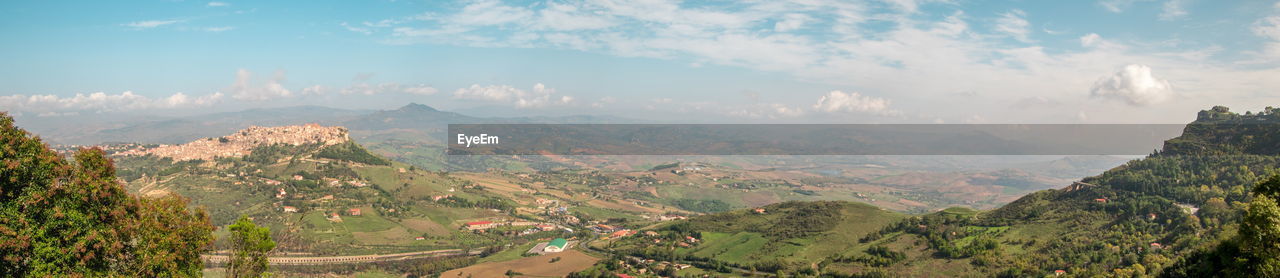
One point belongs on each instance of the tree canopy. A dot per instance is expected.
(70, 217)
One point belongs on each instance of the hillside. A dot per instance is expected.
(780, 236)
(1147, 217)
(321, 193)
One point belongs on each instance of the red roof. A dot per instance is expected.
(620, 275)
(477, 223)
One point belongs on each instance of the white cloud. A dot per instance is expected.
(1173, 9)
(1118, 6)
(790, 22)
(837, 101)
(51, 105)
(422, 90)
(219, 29)
(540, 96)
(566, 17)
(148, 24)
(1090, 40)
(243, 89)
(1134, 85)
(1014, 24)
(217, 4)
(1268, 27)
(356, 29)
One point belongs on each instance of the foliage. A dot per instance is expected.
(65, 218)
(249, 247)
(350, 151)
(704, 206)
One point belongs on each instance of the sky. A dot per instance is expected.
(802, 61)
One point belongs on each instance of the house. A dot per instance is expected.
(419, 238)
(280, 193)
(290, 209)
(1100, 200)
(602, 228)
(650, 233)
(546, 227)
(758, 210)
(334, 217)
(556, 246)
(480, 225)
(354, 212)
(297, 177)
(622, 233)
(1156, 245)
(522, 223)
(1059, 272)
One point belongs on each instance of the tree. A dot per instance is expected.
(1260, 234)
(71, 218)
(249, 247)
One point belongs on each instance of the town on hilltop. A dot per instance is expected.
(242, 143)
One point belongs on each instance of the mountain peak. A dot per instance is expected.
(418, 107)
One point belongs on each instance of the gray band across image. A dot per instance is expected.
(808, 139)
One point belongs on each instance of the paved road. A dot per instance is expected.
(222, 259)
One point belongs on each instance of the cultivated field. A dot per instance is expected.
(537, 266)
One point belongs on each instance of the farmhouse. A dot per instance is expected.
(290, 209)
(480, 225)
(354, 212)
(556, 246)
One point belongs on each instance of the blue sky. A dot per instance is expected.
(952, 61)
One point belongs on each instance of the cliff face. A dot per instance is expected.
(1218, 131)
(242, 143)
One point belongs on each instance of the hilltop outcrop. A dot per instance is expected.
(242, 143)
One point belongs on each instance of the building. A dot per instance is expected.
(419, 238)
(354, 212)
(556, 246)
(758, 210)
(480, 225)
(290, 209)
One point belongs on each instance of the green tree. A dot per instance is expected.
(1260, 235)
(71, 218)
(249, 247)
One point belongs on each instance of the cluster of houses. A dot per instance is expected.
(636, 263)
(242, 143)
(487, 224)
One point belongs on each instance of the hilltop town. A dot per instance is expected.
(242, 142)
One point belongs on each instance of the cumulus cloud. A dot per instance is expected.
(837, 101)
(243, 89)
(1135, 85)
(540, 96)
(52, 105)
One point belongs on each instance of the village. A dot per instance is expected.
(242, 143)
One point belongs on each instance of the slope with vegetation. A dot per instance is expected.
(1189, 209)
(69, 217)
